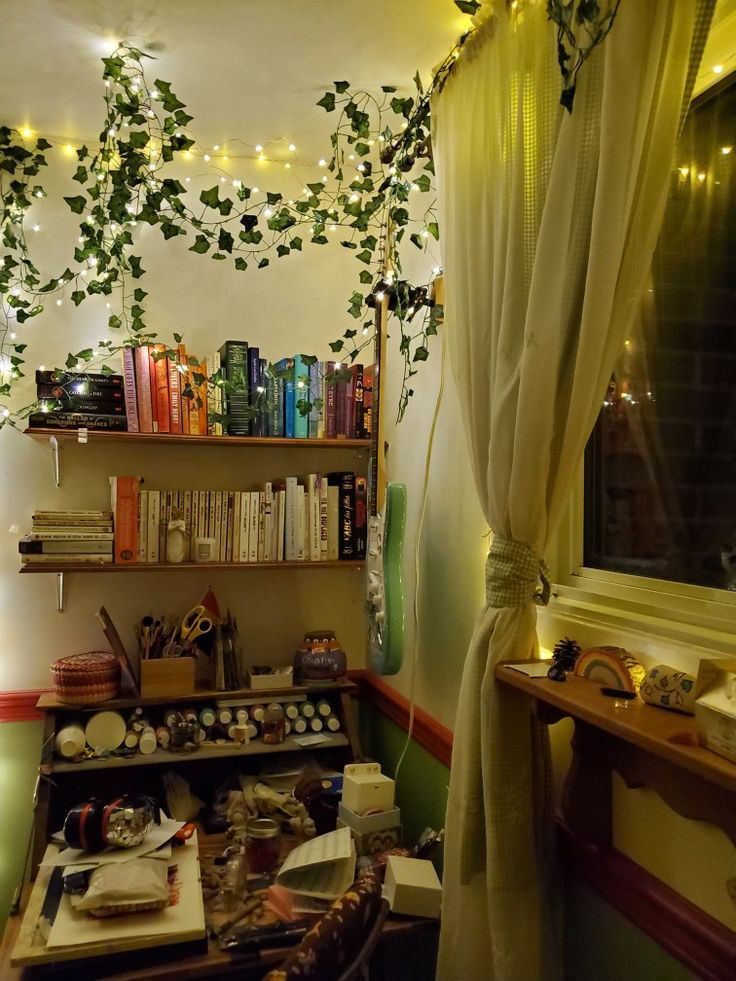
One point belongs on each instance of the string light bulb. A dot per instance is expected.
(216, 146)
(261, 156)
(717, 69)
(26, 133)
(322, 162)
(36, 228)
(206, 158)
(725, 150)
(259, 148)
(292, 147)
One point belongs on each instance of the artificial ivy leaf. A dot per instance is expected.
(364, 256)
(82, 153)
(273, 197)
(320, 239)
(433, 229)
(281, 221)
(365, 276)
(138, 139)
(77, 297)
(249, 222)
(423, 182)
(282, 250)
(136, 311)
(467, 6)
(349, 334)
(76, 204)
(296, 243)
(341, 86)
(105, 369)
(136, 271)
(388, 88)
(349, 245)
(263, 263)
(327, 101)
(201, 245)
(139, 295)
(71, 361)
(241, 264)
(362, 149)
(114, 322)
(421, 354)
(211, 197)
(225, 241)
(416, 240)
(418, 83)
(42, 144)
(218, 256)
(336, 346)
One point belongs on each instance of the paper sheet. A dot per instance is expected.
(323, 867)
(76, 856)
(532, 669)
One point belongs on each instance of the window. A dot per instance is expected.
(660, 468)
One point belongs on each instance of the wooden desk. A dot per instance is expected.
(646, 745)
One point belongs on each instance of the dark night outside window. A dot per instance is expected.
(660, 468)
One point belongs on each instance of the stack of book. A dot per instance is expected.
(59, 537)
(68, 400)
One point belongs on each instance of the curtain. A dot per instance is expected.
(549, 221)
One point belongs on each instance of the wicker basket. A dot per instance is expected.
(83, 679)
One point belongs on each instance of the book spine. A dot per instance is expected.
(131, 402)
(234, 368)
(164, 523)
(263, 411)
(63, 545)
(330, 393)
(175, 420)
(261, 525)
(70, 535)
(203, 515)
(282, 525)
(345, 482)
(209, 364)
(254, 382)
(143, 526)
(322, 494)
(154, 389)
(86, 377)
(184, 381)
(64, 557)
(321, 412)
(301, 383)
(341, 408)
(254, 508)
(278, 407)
(154, 523)
(313, 517)
(244, 527)
(315, 398)
(92, 393)
(124, 495)
(291, 529)
(350, 405)
(237, 508)
(289, 407)
(271, 409)
(218, 393)
(302, 523)
(161, 374)
(356, 429)
(76, 420)
(82, 406)
(369, 374)
(333, 522)
(361, 516)
(143, 389)
(268, 522)
(199, 409)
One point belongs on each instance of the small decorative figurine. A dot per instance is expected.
(564, 655)
(176, 537)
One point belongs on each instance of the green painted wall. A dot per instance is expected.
(20, 751)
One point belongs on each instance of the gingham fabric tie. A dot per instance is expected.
(514, 575)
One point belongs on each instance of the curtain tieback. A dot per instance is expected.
(515, 575)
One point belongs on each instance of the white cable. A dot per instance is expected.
(425, 494)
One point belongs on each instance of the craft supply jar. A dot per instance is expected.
(263, 845)
(273, 727)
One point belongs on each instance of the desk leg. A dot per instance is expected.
(586, 796)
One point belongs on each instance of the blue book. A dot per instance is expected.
(316, 371)
(301, 385)
(285, 367)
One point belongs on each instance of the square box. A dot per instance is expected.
(279, 678)
(715, 705)
(372, 833)
(365, 788)
(167, 676)
(412, 887)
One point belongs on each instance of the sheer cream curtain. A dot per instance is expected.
(549, 221)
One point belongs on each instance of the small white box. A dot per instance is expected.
(715, 705)
(365, 788)
(412, 887)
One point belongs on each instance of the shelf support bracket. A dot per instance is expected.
(59, 592)
(54, 443)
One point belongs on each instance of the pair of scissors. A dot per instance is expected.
(196, 622)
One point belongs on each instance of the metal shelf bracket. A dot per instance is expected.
(59, 592)
(54, 443)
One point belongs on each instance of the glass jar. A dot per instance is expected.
(272, 727)
(263, 845)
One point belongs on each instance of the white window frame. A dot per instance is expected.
(700, 616)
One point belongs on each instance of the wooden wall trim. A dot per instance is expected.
(20, 706)
(684, 930)
(428, 732)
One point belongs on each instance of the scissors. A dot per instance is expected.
(196, 622)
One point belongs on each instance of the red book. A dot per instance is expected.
(131, 405)
(154, 392)
(124, 502)
(350, 389)
(162, 388)
(183, 381)
(143, 389)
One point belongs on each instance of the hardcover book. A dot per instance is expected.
(76, 420)
(286, 369)
(124, 502)
(236, 399)
(345, 482)
(254, 383)
(131, 400)
(301, 385)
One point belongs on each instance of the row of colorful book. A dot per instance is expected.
(320, 518)
(59, 537)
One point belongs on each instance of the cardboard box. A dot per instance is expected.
(280, 678)
(365, 788)
(167, 676)
(372, 833)
(412, 887)
(715, 705)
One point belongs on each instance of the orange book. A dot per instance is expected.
(161, 377)
(154, 393)
(143, 389)
(184, 380)
(175, 421)
(124, 501)
(198, 405)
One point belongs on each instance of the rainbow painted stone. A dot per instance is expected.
(612, 667)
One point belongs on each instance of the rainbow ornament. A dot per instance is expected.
(613, 667)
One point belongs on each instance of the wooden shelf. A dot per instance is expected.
(44, 567)
(211, 752)
(49, 703)
(281, 442)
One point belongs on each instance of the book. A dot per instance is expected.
(77, 403)
(80, 513)
(154, 389)
(369, 374)
(254, 519)
(323, 867)
(76, 420)
(160, 382)
(80, 389)
(291, 522)
(254, 383)
(341, 408)
(285, 367)
(154, 521)
(349, 409)
(128, 683)
(244, 527)
(281, 525)
(143, 526)
(263, 409)
(302, 523)
(228, 504)
(175, 415)
(68, 377)
(185, 383)
(71, 534)
(235, 537)
(329, 395)
(301, 386)
(356, 416)
(236, 399)
(313, 532)
(218, 393)
(143, 389)
(345, 482)
(333, 522)
(268, 522)
(131, 400)
(322, 492)
(60, 558)
(124, 500)
(261, 525)
(315, 398)
(361, 516)
(35, 546)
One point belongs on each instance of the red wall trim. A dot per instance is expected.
(429, 733)
(20, 706)
(684, 930)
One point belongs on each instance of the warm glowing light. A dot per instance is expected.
(287, 165)
(324, 179)
(380, 295)
(413, 186)
(255, 190)
(701, 176)
(292, 147)
(300, 384)
(322, 163)
(725, 150)
(216, 146)
(259, 148)
(68, 149)
(206, 158)
(684, 171)
(424, 233)
(267, 212)
(151, 113)
(261, 156)
(226, 157)
(188, 154)
(437, 270)
(717, 69)
(58, 303)
(354, 197)
(222, 180)
(36, 228)
(260, 389)
(627, 343)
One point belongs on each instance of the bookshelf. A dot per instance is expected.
(279, 442)
(95, 568)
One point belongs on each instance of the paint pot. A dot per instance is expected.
(105, 731)
(70, 740)
(147, 742)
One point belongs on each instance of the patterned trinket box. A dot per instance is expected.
(83, 679)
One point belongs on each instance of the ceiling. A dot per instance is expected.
(248, 70)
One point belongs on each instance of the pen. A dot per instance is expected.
(274, 938)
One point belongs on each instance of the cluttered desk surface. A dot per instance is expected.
(236, 900)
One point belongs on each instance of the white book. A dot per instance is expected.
(253, 529)
(268, 555)
(193, 528)
(282, 525)
(333, 522)
(322, 488)
(220, 531)
(71, 535)
(275, 503)
(204, 511)
(237, 505)
(154, 521)
(212, 518)
(142, 525)
(187, 514)
(261, 525)
(165, 508)
(244, 527)
(291, 524)
(312, 550)
(301, 513)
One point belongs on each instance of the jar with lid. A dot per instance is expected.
(273, 727)
(263, 845)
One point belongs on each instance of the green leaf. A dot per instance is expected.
(77, 297)
(418, 83)
(263, 263)
(282, 250)
(365, 256)
(336, 346)
(341, 86)
(467, 6)
(225, 241)
(388, 88)
(77, 204)
(296, 243)
(114, 322)
(362, 149)
(139, 295)
(327, 101)
(136, 270)
(211, 198)
(42, 144)
(433, 229)
(415, 239)
(138, 139)
(177, 338)
(423, 182)
(241, 264)
(201, 245)
(365, 276)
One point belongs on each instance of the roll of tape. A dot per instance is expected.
(669, 688)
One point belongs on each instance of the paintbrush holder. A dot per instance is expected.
(167, 676)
